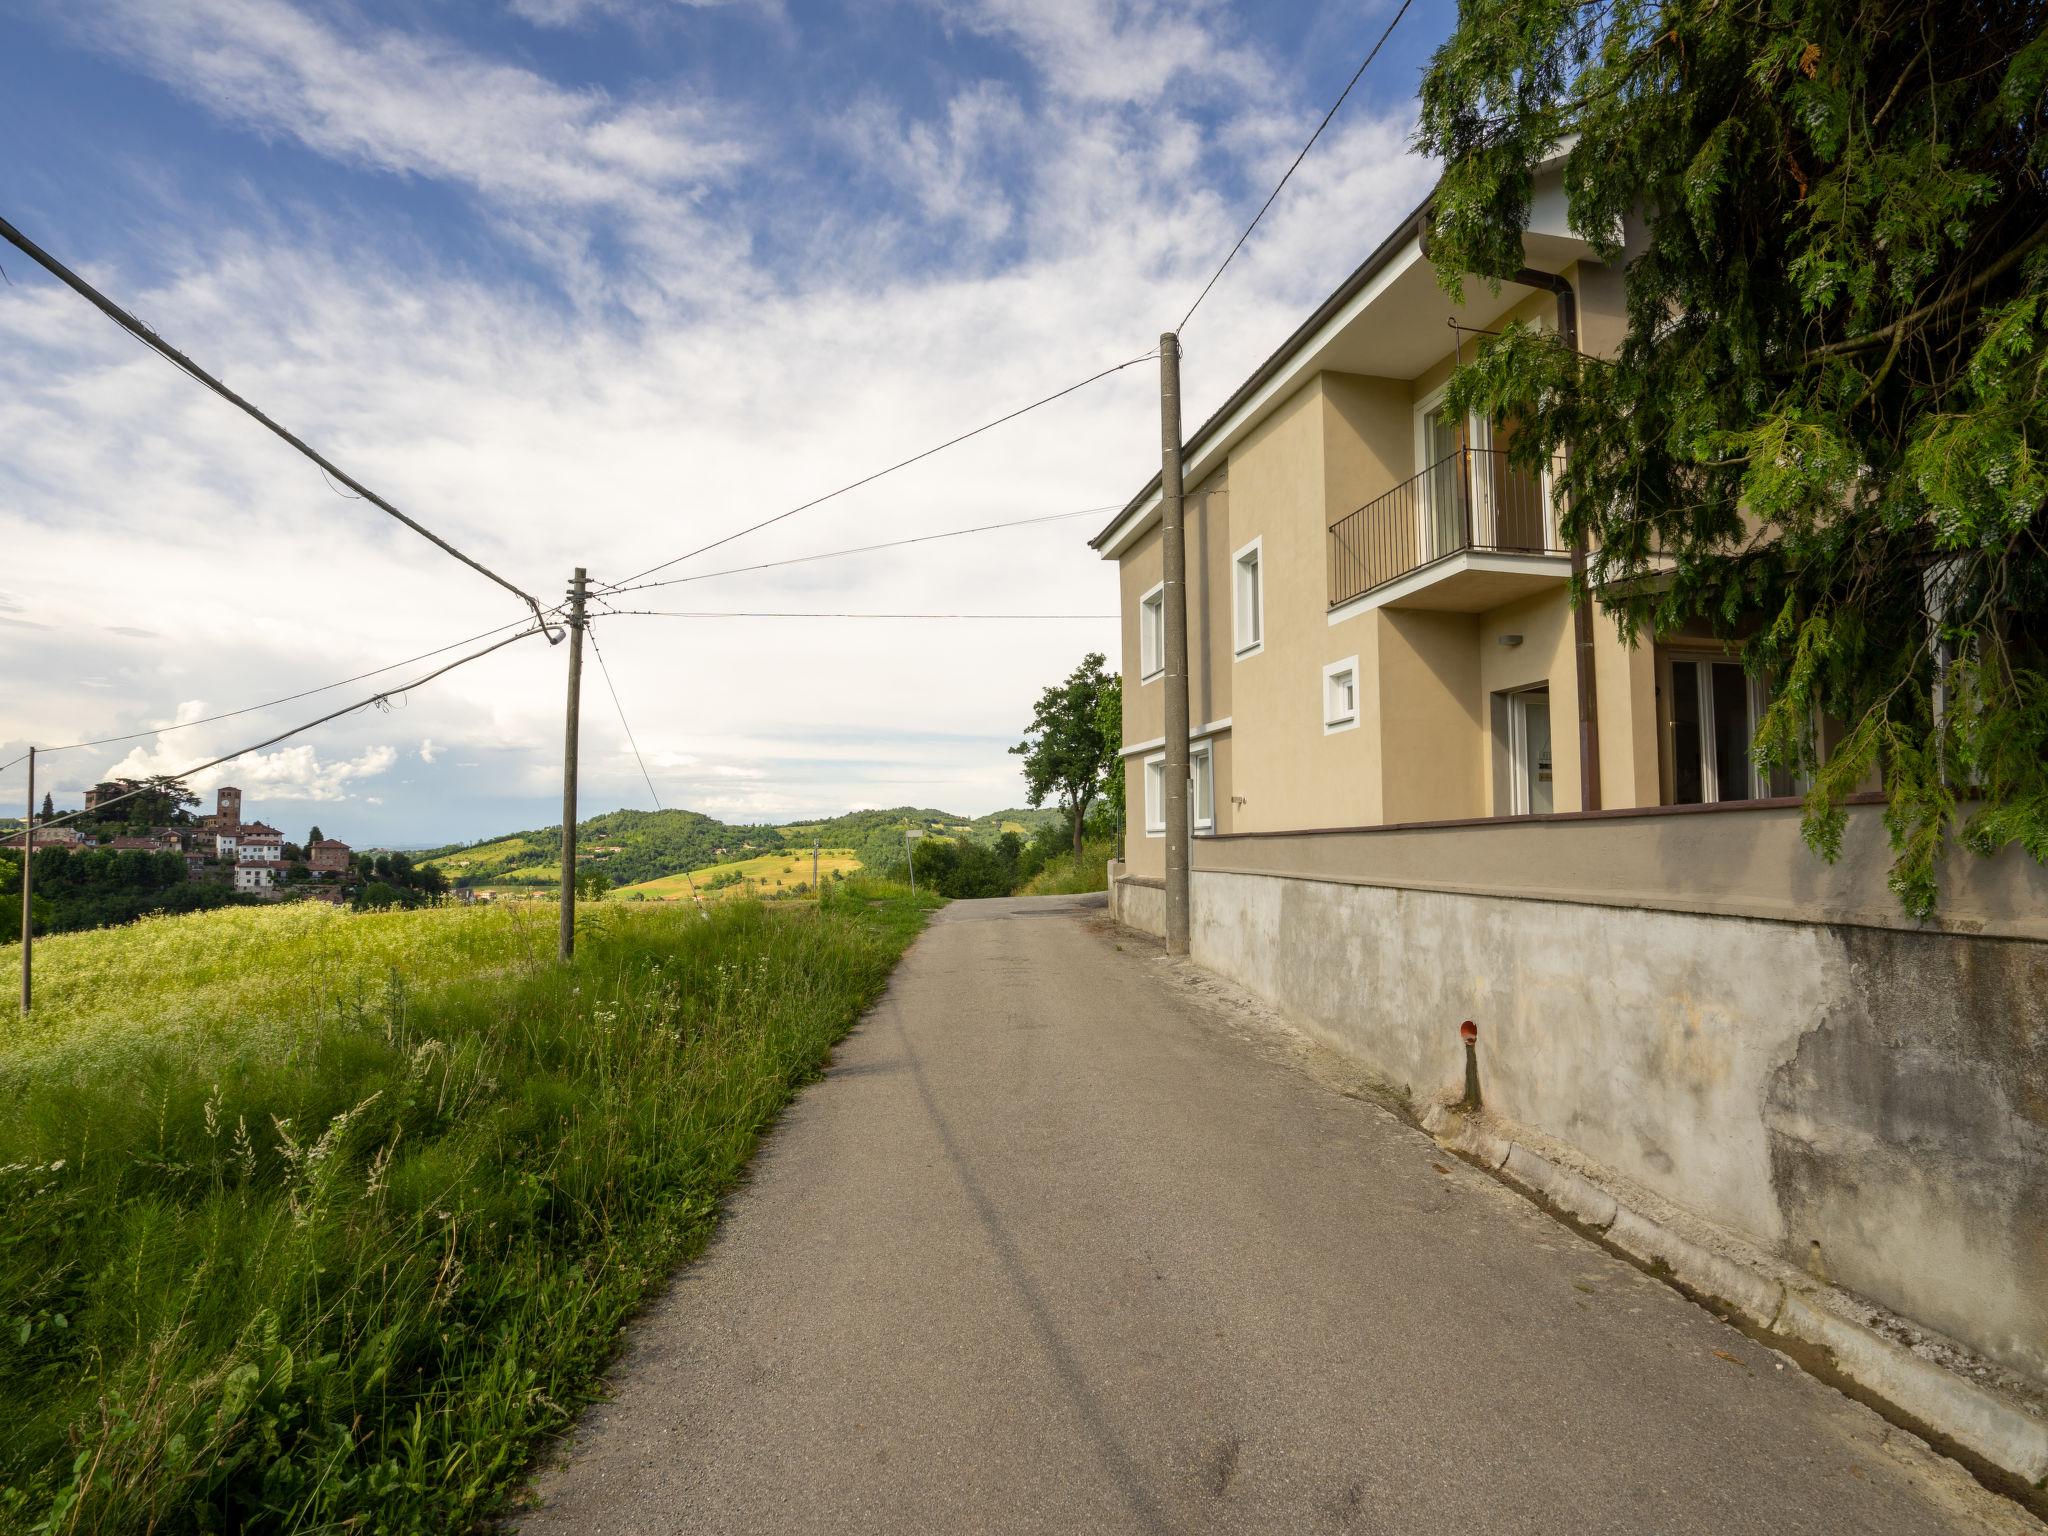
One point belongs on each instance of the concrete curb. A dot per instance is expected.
(1973, 1417)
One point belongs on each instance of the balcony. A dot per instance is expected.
(1470, 532)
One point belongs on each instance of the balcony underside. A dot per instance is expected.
(1466, 581)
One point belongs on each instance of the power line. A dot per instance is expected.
(681, 613)
(590, 633)
(162, 348)
(864, 549)
(181, 725)
(1311, 144)
(950, 442)
(298, 730)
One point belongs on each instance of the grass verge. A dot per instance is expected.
(347, 1274)
(1068, 876)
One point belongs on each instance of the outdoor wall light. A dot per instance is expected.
(1510, 641)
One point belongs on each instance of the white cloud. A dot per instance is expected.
(418, 104)
(540, 439)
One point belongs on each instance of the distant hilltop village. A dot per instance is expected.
(220, 847)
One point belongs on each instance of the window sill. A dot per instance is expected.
(1150, 677)
(1249, 651)
(1334, 727)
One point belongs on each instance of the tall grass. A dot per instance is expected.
(345, 1267)
(1064, 875)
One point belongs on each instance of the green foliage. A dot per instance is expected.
(98, 887)
(1070, 874)
(345, 1266)
(1069, 749)
(1109, 720)
(158, 801)
(958, 869)
(1823, 428)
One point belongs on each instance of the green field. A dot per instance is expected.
(312, 1220)
(768, 874)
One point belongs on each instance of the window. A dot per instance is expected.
(1155, 795)
(1152, 634)
(1201, 790)
(1711, 712)
(1340, 695)
(1523, 772)
(1248, 584)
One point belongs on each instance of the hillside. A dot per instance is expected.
(632, 847)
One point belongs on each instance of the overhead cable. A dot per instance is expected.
(251, 709)
(590, 634)
(299, 730)
(870, 479)
(681, 613)
(864, 549)
(1311, 144)
(157, 344)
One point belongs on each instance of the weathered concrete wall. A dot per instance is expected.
(1881, 1092)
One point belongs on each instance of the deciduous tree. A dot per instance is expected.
(1066, 754)
(1824, 428)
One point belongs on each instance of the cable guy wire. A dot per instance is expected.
(680, 613)
(299, 730)
(162, 348)
(590, 634)
(987, 426)
(865, 549)
(1311, 144)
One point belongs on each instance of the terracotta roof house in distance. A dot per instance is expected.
(259, 847)
(1425, 789)
(329, 856)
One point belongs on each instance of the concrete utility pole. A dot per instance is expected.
(816, 842)
(910, 856)
(569, 766)
(1173, 546)
(28, 845)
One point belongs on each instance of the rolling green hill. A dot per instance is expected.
(636, 846)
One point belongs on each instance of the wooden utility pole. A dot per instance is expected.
(1173, 546)
(28, 845)
(816, 842)
(569, 766)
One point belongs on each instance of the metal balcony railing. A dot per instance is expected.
(1473, 499)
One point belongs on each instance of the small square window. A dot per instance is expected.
(1340, 695)
(1152, 634)
(1249, 589)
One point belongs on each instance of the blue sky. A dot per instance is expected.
(592, 282)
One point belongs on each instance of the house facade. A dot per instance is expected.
(258, 876)
(1426, 790)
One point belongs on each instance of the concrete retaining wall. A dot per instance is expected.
(1880, 1092)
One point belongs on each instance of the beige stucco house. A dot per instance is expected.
(1408, 813)
(1378, 625)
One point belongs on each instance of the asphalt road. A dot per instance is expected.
(1070, 1241)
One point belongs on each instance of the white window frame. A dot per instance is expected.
(1154, 786)
(1759, 695)
(1151, 637)
(1201, 777)
(1334, 719)
(1243, 647)
(1521, 766)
